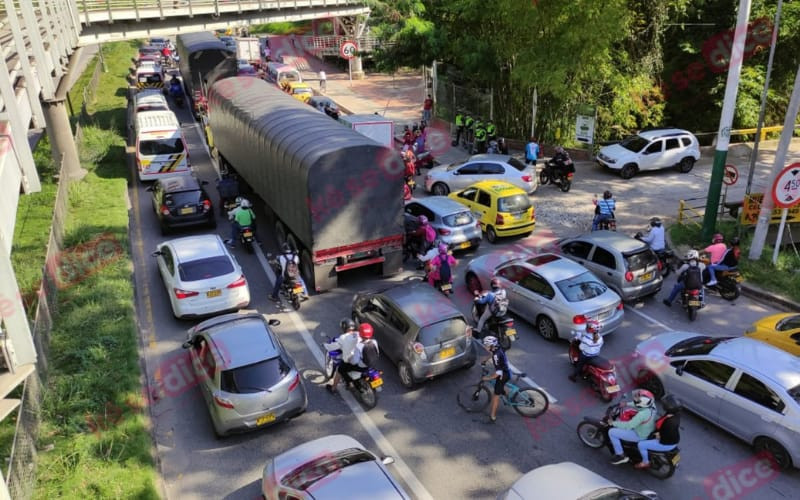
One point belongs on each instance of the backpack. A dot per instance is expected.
(445, 273)
(292, 270)
(693, 278)
(499, 305)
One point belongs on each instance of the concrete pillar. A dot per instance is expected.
(62, 142)
(358, 69)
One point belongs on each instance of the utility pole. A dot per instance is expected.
(726, 119)
(762, 226)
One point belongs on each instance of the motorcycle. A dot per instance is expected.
(292, 287)
(600, 372)
(728, 282)
(366, 385)
(593, 432)
(176, 92)
(497, 147)
(692, 300)
(445, 287)
(501, 327)
(559, 173)
(247, 238)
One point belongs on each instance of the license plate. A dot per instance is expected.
(466, 244)
(248, 234)
(676, 459)
(511, 332)
(646, 276)
(269, 417)
(739, 279)
(213, 293)
(447, 287)
(298, 288)
(612, 388)
(187, 210)
(447, 353)
(694, 303)
(376, 383)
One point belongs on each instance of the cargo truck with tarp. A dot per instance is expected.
(336, 195)
(200, 54)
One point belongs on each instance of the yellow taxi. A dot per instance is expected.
(502, 208)
(779, 330)
(299, 90)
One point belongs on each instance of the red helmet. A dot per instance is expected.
(592, 326)
(365, 331)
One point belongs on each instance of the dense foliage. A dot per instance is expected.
(642, 63)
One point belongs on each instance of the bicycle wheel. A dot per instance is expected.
(530, 402)
(473, 398)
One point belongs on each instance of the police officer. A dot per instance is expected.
(491, 131)
(459, 126)
(480, 137)
(468, 122)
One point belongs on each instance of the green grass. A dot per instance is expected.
(783, 278)
(93, 403)
(76, 92)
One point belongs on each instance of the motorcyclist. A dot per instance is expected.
(347, 342)
(407, 192)
(667, 434)
(442, 266)
(288, 259)
(423, 236)
(730, 260)
(501, 375)
(637, 429)
(591, 343)
(492, 299)
(408, 137)
(692, 260)
(240, 217)
(655, 236)
(419, 141)
(716, 249)
(604, 209)
(367, 347)
(410, 163)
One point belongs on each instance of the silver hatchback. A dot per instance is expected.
(484, 167)
(627, 265)
(246, 376)
(744, 386)
(453, 222)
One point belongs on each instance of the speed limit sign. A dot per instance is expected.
(348, 49)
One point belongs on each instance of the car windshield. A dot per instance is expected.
(258, 377)
(442, 331)
(454, 166)
(182, 198)
(459, 219)
(203, 269)
(634, 143)
(291, 77)
(516, 164)
(695, 346)
(515, 203)
(582, 287)
(161, 146)
(149, 78)
(312, 471)
(640, 260)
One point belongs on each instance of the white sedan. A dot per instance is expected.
(484, 167)
(201, 276)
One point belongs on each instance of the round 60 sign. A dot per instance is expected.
(348, 49)
(786, 190)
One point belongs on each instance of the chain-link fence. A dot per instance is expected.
(21, 474)
(451, 97)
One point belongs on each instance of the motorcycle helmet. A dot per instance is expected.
(286, 248)
(560, 150)
(655, 222)
(495, 284)
(239, 200)
(490, 342)
(347, 325)
(717, 238)
(693, 255)
(735, 241)
(592, 326)
(671, 404)
(245, 203)
(643, 398)
(607, 194)
(365, 331)
(443, 248)
(422, 220)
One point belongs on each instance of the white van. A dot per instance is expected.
(160, 146)
(278, 73)
(149, 76)
(149, 100)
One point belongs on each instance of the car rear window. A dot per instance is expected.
(695, 346)
(640, 260)
(582, 287)
(515, 203)
(203, 269)
(149, 78)
(182, 198)
(312, 471)
(258, 377)
(517, 164)
(443, 331)
(459, 219)
(161, 147)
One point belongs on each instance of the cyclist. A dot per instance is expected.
(501, 375)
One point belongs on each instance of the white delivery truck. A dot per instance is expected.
(375, 127)
(249, 49)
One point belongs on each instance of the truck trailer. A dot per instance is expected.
(200, 54)
(336, 195)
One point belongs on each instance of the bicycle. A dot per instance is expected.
(529, 402)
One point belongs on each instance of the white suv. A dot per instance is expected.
(651, 150)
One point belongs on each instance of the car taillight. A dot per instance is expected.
(239, 282)
(658, 263)
(527, 178)
(444, 231)
(579, 319)
(223, 402)
(533, 215)
(478, 224)
(206, 205)
(694, 293)
(183, 294)
(628, 276)
(295, 383)
(569, 176)
(498, 220)
(619, 306)
(164, 210)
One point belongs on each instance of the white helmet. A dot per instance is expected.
(692, 255)
(245, 203)
(490, 342)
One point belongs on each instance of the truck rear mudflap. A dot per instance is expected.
(360, 254)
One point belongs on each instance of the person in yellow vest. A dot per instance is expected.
(459, 126)
(491, 131)
(480, 137)
(468, 122)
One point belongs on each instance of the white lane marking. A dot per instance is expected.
(366, 422)
(530, 382)
(648, 318)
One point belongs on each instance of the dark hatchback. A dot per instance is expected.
(419, 329)
(181, 201)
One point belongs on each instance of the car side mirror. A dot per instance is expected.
(387, 460)
(679, 370)
(274, 322)
(188, 344)
(157, 253)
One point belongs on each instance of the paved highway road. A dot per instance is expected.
(441, 451)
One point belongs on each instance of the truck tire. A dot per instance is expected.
(393, 263)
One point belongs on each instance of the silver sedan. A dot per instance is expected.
(446, 178)
(555, 294)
